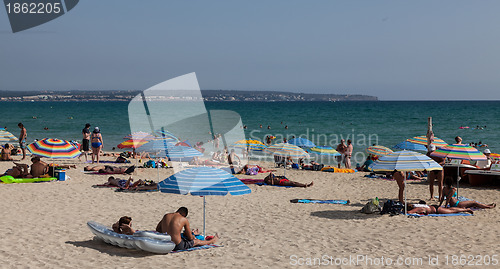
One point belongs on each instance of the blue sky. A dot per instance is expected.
(396, 50)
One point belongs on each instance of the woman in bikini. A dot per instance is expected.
(452, 198)
(96, 140)
(423, 209)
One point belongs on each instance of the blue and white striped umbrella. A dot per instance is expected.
(410, 146)
(157, 145)
(287, 150)
(6, 137)
(301, 142)
(203, 181)
(179, 152)
(404, 161)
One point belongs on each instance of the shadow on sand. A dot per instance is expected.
(111, 250)
(344, 214)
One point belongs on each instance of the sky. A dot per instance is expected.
(395, 50)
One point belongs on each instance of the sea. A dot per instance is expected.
(384, 123)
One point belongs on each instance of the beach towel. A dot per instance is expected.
(386, 178)
(251, 180)
(100, 161)
(198, 248)
(103, 186)
(439, 215)
(134, 190)
(314, 201)
(337, 170)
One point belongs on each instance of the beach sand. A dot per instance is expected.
(44, 224)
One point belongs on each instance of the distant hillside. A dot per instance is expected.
(208, 95)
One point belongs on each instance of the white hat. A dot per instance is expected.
(432, 147)
(487, 151)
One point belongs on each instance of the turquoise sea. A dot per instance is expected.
(325, 123)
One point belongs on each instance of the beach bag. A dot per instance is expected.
(150, 164)
(371, 207)
(392, 207)
(295, 166)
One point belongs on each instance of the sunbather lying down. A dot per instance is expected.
(424, 209)
(271, 179)
(130, 184)
(106, 169)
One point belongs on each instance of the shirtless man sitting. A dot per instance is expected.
(173, 223)
(38, 168)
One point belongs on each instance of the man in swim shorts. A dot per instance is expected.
(22, 139)
(341, 148)
(173, 223)
(85, 141)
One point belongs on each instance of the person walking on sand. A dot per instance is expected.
(341, 148)
(97, 144)
(85, 141)
(173, 223)
(436, 174)
(22, 139)
(348, 154)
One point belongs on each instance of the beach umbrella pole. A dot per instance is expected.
(458, 177)
(405, 195)
(204, 221)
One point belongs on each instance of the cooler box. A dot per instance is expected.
(60, 175)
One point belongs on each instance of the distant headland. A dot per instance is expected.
(208, 95)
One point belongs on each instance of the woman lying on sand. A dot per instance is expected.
(139, 185)
(423, 209)
(107, 169)
(282, 181)
(452, 198)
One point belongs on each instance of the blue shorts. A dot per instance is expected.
(22, 144)
(96, 144)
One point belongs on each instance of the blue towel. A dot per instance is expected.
(312, 201)
(197, 248)
(440, 215)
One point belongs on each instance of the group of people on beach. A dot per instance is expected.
(447, 193)
(345, 151)
(172, 224)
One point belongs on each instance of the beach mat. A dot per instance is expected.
(251, 180)
(389, 179)
(133, 190)
(315, 201)
(103, 186)
(439, 215)
(198, 248)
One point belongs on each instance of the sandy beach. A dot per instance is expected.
(45, 225)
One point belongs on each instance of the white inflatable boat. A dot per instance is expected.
(142, 240)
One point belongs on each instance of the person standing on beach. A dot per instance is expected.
(400, 176)
(341, 148)
(97, 144)
(85, 141)
(436, 174)
(22, 139)
(348, 154)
